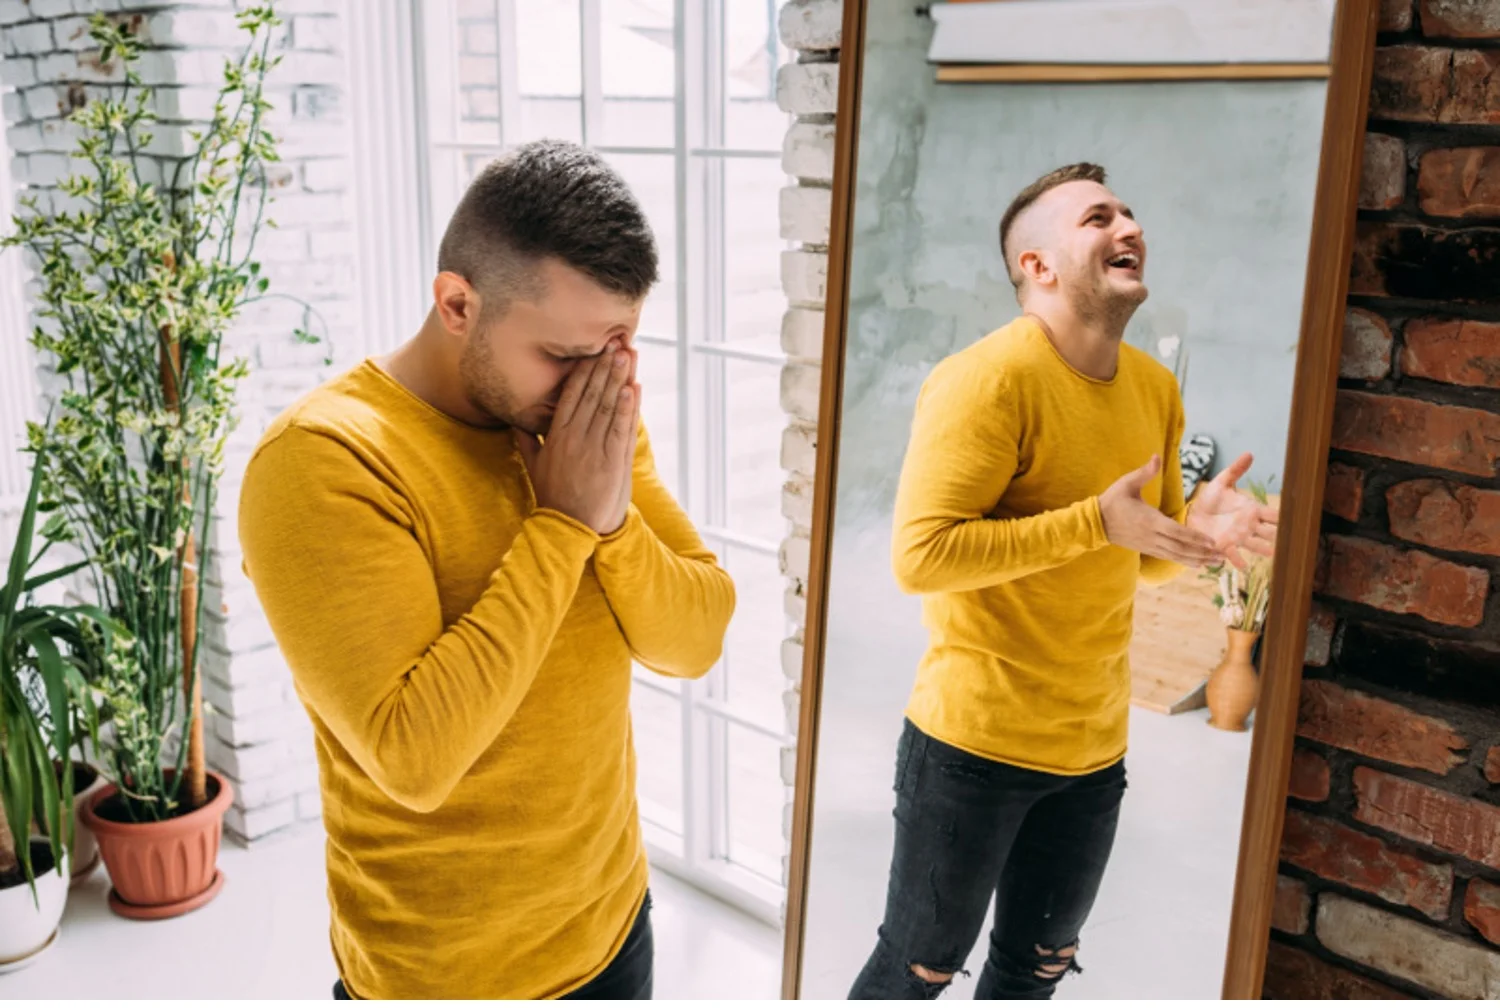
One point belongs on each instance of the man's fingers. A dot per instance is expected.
(1187, 556)
(635, 422)
(1232, 472)
(1181, 534)
(1260, 546)
(529, 447)
(1186, 546)
(1267, 514)
(572, 394)
(593, 393)
(622, 423)
(610, 401)
(1136, 481)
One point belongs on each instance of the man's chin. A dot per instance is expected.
(536, 423)
(1133, 291)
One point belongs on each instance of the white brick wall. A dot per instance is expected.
(807, 88)
(258, 734)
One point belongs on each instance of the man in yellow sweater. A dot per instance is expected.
(461, 548)
(1040, 485)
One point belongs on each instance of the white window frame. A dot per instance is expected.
(700, 853)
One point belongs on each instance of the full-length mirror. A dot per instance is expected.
(1072, 288)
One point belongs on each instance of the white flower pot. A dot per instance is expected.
(28, 925)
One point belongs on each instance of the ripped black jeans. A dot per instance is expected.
(968, 827)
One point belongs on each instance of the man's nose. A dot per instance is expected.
(1128, 228)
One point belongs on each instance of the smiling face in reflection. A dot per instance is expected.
(1100, 249)
(1080, 243)
(518, 356)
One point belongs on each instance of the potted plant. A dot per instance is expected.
(48, 655)
(1243, 597)
(140, 284)
(83, 852)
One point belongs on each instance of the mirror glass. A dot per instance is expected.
(997, 656)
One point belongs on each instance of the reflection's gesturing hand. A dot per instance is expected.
(1232, 519)
(1135, 525)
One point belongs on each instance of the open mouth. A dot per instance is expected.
(1128, 261)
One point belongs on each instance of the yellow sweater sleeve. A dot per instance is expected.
(1154, 570)
(963, 451)
(672, 599)
(350, 597)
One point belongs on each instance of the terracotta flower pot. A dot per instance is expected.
(1233, 686)
(162, 869)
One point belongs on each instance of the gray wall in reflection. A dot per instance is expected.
(1221, 176)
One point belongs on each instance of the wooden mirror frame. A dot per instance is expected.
(1315, 385)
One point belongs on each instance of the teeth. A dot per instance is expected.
(1128, 261)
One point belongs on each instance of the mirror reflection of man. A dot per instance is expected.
(460, 549)
(1040, 486)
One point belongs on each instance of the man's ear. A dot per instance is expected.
(1035, 269)
(457, 302)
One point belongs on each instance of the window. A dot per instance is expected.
(679, 95)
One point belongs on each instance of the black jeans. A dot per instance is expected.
(628, 976)
(967, 827)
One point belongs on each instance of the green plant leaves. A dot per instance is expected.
(30, 739)
(140, 265)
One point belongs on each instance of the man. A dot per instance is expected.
(460, 548)
(1033, 498)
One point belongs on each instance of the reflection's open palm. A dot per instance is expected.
(1233, 519)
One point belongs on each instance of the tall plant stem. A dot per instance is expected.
(195, 769)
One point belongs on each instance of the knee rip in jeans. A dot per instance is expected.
(1054, 964)
(932, 977)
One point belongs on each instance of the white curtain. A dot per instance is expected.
(18, 401)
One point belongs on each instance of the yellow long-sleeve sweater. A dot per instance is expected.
(465, 658)
(1028, 606)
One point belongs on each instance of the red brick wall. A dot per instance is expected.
(1391, 852)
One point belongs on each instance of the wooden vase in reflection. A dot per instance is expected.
(1233, 686)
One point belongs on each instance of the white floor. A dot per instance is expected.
(1160, 926)
(266, 936)
(1158, 930)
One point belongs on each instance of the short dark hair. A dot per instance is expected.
(1083, 171)
(549, 199)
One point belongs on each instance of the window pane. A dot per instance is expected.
(756, 801)
(550, 119)
(656, 723)
(477, 35)
(754, 302)
(474, 162)
(657, 373)
(753, 422)
(752, 648)
(548, 71)
(548, 48)
(461, 96)
(450, 175)
(752, 54)
(638, 74)
(653, 180)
